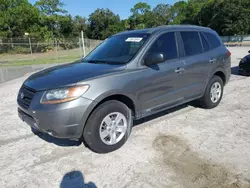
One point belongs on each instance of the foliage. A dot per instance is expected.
(47, 19)
(50, 7)
(79, 24)
(53, 17)
(177, 12)
(161, 15)
(103, 23)
(140, 16)
(227, 17)
(16, 17)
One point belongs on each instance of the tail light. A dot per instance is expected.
(229, 53)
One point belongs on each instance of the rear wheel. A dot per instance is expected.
(108, 127)
(213, 93)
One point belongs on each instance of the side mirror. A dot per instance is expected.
(249, 51)
(153, 58)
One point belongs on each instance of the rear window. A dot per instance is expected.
(213, 40)
(204, 43)
(191, 42)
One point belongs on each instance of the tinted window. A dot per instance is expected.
(118, 49)
(213, 40)
(165, 44)
(204, 43)
(191, 42)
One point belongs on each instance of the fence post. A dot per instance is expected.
(83, 45)
(56, 48)
(2, 77)
(80, 48)
(30, 46)
(11, 42)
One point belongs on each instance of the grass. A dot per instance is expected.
(50, 57)
(39, 61)
(38, 58)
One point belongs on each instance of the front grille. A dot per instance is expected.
(25, 96)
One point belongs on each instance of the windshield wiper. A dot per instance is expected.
(102, 61)
(96, 61)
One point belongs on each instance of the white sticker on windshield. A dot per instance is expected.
(134, 39)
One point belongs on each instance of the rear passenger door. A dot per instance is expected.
(196, 63)
(216, 56)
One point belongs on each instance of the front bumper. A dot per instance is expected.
(244, 72)
(244, 69)
(65, 120)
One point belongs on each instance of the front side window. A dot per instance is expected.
(191, 42)
(119, 49)
(166, 45)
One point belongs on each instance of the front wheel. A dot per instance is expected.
(108, 127)
(213, 93)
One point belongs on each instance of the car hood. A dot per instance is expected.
(69, 74)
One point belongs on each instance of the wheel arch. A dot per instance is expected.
(221, 72)
(222, 75)
(127, 100)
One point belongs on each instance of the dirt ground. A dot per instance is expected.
(185, 147)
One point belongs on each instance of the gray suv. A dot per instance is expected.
(129, 76)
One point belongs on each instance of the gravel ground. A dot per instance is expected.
(186, 147)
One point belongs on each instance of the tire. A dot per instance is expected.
(36, 132)
(95, 125)
(206, 101)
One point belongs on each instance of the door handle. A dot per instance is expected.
(179, 70)
(213, 60)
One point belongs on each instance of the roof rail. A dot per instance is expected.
(182, 25)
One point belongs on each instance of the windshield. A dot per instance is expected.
(117, 49)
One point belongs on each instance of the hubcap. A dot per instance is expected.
(113, 128)
(215, 92)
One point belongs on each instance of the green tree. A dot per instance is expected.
(177, 12)
(48, 19)
(79, 24)
(17, 17)
(192, 11)
(227, 17)
(236, 16)
(53, 18)
(140, 16)
(160, 15)
(125, 24)
(50, 7)
(140, 9)
(103, 23)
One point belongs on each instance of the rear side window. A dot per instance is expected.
(165, 44)
(191, 42)
(213, 40)
(204, 43)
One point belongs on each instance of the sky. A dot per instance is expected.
(120, 7)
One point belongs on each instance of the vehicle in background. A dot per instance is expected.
(129, 76)
(244, 65)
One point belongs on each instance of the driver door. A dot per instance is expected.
(162, 82)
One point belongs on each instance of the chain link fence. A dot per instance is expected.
(27, 50)
(20, 51)
(237, 40)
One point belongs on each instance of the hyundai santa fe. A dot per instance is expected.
(129, 76)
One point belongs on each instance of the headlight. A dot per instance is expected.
(63, 95)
